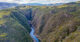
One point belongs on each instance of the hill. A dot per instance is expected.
(14, 26)
(39, 4)
(4, 5)
(58, 24)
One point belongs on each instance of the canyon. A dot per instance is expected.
(50, 23)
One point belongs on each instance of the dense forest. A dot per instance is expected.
(52, 23)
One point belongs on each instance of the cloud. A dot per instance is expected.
(38, 1)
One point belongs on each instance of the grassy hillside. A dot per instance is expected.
(14, 26)
(57, 23)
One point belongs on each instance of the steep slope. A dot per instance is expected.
(58, 23)
(14, 26)
(55, 23)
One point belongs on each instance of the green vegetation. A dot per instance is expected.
(14, 29)
(57, 23)
(52, 23)
(3, 35)
(21, 19)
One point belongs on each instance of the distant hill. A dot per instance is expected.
(4, 5)
(39, 4)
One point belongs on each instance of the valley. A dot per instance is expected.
(41, 23)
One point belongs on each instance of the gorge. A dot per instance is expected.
(49, 23)
(56, 23)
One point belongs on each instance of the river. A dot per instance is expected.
(33, 36)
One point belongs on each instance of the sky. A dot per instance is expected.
(38, 1)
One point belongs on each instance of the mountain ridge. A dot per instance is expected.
(39, 4)
(5, 5)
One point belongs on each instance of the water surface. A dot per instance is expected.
(33, 36)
